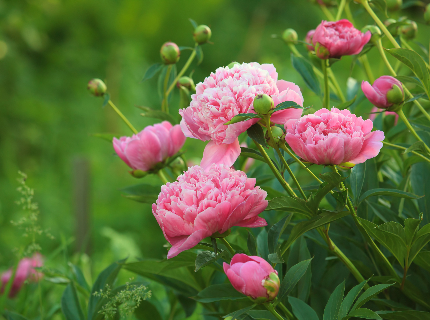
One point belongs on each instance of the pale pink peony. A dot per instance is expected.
(378, 93)
(24, 272)
(333, 137)
(376, 110)
(154, 144)
(203, 202)
(338, 38)
(227, 93)
(308, 39)
(253, 276)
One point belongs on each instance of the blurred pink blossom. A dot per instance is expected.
(152, 145)
(379, 91)
(308, 39)
(227, 93)
(248, 162)
(376, 110)
(333, 137)
(203, 202)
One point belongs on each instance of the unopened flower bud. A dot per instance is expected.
(409, 31)
(290, 36)
(385, 93)
(277, 133)
(202, 34)
(138, 173)
(170, 53)
(186, 82)
(231, 65)
(394, 5)
(395, 95)
(321, 51)
(263, 103)
(393, 30)
(374, 30)
(97, 87)
(427, 14)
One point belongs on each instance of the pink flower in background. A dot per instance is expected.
(375, 112)
(384, 93)
(333, 137)
(227, 93)
(338, 38)
(253, 276)
(25, 271)
(248, 162)
(308, 39)
(152, 145)
(203, 202)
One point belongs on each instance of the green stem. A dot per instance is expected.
(184, 68)
(291, 173)
(336, 84)
(403, 148)
(162, 176)
(229, 247)
(405, 120)
(349, 14)
(275, 171)
(287, 312)
(273, 311)
(327, 12)
(165, 103)
(393, 72)
(326, 89)
(379, 23)
(339, 11)
(122, 117)
(365, 63)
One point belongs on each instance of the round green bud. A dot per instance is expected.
(263, 103)
(277, 133)
(202, 34)
(186, 82)
(409, 30)
(427, 14)
(321, 51)
(374, 30)
(393, 30)
(231, 65)
(290, 36)
(97, 87)
(170, 53)
(394, 5)
(138, 173)
(229, 318)
(395, 95)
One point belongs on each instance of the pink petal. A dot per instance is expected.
(236, 280)
(220, 154)
(371, 147)
(177, 139)
(253, 276)
(187, 243)
(212, 218)
(271, 69)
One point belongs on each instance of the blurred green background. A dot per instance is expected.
(49, 49)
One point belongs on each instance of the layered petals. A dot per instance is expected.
(225, 154)
(377, 93)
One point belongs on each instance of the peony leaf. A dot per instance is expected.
(142, 193)
(405, 315)
(152, 71)
(237, 313)
(286, 105)
(331, 310)
(293, 205)
(350, 298)
(199, 54)
(242, 117)
(420, 182)
(218, 292)
(301, 310)
(346, 104)
(13, 316)
(292, 277)
(381, 5)
(70, 304)
(356, 180)
(255, 132)
(252, 244)
(369, 294)
(387, 192)
(193, 23)
(305, 69)
(157, 114)
(276, 231)
(364, 313)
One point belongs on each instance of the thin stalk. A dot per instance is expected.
(336, 84)
(327, 12)
(326, 89)
(349, 13)
(366, 6)
(405, 120)
(162, 176)
(277, 174)
(291, 173)
(393, 72)
(229, 247)
(165, 103)
(184, 68)
(40, 300)
(365, 63)
(339, 11)
(273, 311)
(287, 312)
(122, 117)
(405, 272)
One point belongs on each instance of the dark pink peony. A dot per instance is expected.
(253, 276)
(203, 202)
(337, 39)
(24, 272)
(382, 93)
(152, 145)
(308, 39)
(227, 93)
(333, 137)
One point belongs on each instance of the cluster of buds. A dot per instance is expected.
(408, 30)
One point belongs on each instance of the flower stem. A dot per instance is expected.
(122, 117)
(403, 148)
(339, 11)
(369, 73)
(406, 121)
(273, 311)
(162, 176)
(327, 12)
(379, 23)
(229, 247)
(326, 89)
(291, 173)
(405, 272)
(165, 103)
(336, 84)
(184, 68)
(287, 312)
(277, 174)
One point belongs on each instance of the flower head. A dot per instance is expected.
(203, 202)
(338, 38)
(308, 39)
(227, 93)
(333, 137)
(385, 92)
(253, 276)
(154, 144)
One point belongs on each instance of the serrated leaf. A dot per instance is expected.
(331, 180)
(349, 299)
(292, 277)
(417, 146)
(301, 310)
(152, 71)
(387, 192)
(252, 244)
(331, 310)
(346, 104)
(290, 205)
(369, 294)
(275, 258)
(218, 292)
(364, 313)
(255, 132)
(157, 114)
(356, 180)
(70, 304)
(242, 117)
(306, 71)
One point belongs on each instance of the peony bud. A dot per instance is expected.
(202, 34)
(290, 36)
(394, 30)
(186, 82)
(385, 92)
(396, 95)
(427, 14)
(374, 30)
(394, 5)
(170, 53)
(308, 39)
(409, 31)
(231, 65)
(263, 103)
(277, 133)
(253, 276)
(97, 87)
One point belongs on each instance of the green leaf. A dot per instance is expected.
(387, 192)
(299, 252)
(294, 274)
(205, 258)
(251, 153)
(142, 193)
(237, 313)
(105, 136)
(195, 25)
(184, 97)
(423, 260)
(106, 99)
(252, 244)
(364, 313)
(349, 299)
(199, 54)
(293, 205)
(346, 104)
(301, 310)
(418, 146)
(381, 5)
(14, 316)
(152, 71)
(242, 117)
(409, 79)
(391, 304)
(411, 228)
(422, 124)
(157, 114)
(147, 310)
(286, 105)
(262, 244)
(305, 69)
(406, 315)
(369, 294)
(420, 182)
(331, 180)
(416, 97)
(181, 48)
(70, 304)
(356, 180)
(260, 314)
(421, 238)
(218, 292)
(276, 231)
(331, 310)
(255, 132)
(414, 62)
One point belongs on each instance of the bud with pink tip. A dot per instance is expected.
(253, 276)
(308, 39)
(97, 87)
(385, 92)
(337, 39)
(170, 53)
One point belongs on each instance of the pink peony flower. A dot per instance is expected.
(152, 145)
(253, 276)
(333, 137)
(203, 202)
(385, 92)
(248, 162)
(375, 110)
(337, 39)
(227, 93)
(308, 39)
(24, 272)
